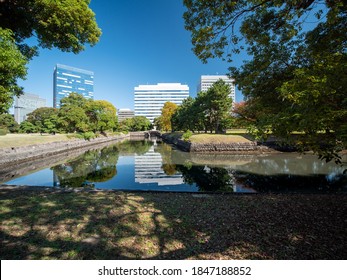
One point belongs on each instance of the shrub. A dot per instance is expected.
(186, 136)
(88, 135)
(3, 131)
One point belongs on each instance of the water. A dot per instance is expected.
(156, 166)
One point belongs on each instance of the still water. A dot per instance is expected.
(152, 165)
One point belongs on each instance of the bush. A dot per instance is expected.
(88, 135)
(3, 131)
(186, 136)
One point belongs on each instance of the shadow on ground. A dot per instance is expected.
(115, 225)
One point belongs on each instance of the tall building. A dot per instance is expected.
(25, 104)
(206, 81)
(150, 99)
(67, 79)
(124, 114)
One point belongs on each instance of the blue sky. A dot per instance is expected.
(143, 42)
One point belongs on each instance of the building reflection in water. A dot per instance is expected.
(149, 169)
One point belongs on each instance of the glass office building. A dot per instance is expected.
(150, 99)
(67, 79)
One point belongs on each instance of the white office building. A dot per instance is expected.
(124, 114)
(150, 99)
(25, 104)
(206, 81)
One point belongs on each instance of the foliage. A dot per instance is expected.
(27, 127)
(137, 123)
(167, 111)
(76, 114)
(7, 121)
(188, 116)
(12, 66)
(89, 135)
(45, 119)
(210, 110)
(3, 131)
(102, 115)
(186, 136)
(295, 78)
(65, 24)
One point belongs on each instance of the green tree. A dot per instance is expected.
(65, 24)
(27, 127)
(12, 66)
(72, 115)
(45, 119)
(295, 78)
(140, 123)
(102, 115)
(188, 116)
(216, 105)
(167, 111)
(7, 121)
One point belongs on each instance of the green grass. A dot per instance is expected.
(116, 225)
(205, 138)
(18, 140)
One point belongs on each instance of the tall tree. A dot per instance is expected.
(65, 24)
(102, 115)
(216, 105)
(12, 67)
(167, 111)
(296, 74)
(72, 115)
(45, 119)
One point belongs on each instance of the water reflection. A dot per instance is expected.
(146, 165)
(149, 168)
(86, 170)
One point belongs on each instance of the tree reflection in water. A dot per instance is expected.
(263, 174)
(91, 167)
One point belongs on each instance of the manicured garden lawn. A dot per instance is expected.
(217, 138)
(117, 225)
(17, 140)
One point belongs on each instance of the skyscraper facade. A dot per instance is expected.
(25, 104)
(150, 99)
(67, 79)
(206, 81)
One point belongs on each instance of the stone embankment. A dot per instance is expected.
(14, 155)
(237, 147)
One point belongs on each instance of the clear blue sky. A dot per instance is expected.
(143, 41)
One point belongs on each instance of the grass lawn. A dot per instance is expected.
(232, 136)
(205, 138)
(117, 225)
(18, 140)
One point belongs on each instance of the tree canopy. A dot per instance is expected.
(210, 110)
(295, 78)
(12, 66)
(167, 112)
(65, 24)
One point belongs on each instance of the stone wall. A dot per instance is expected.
(10, 156)
(224, 147)
(238, 147)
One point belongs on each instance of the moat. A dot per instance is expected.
(156, 166)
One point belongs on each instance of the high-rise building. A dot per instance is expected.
(124, 114)
(150, 99)
(206, 81)
(67, 79)
(25, 104)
